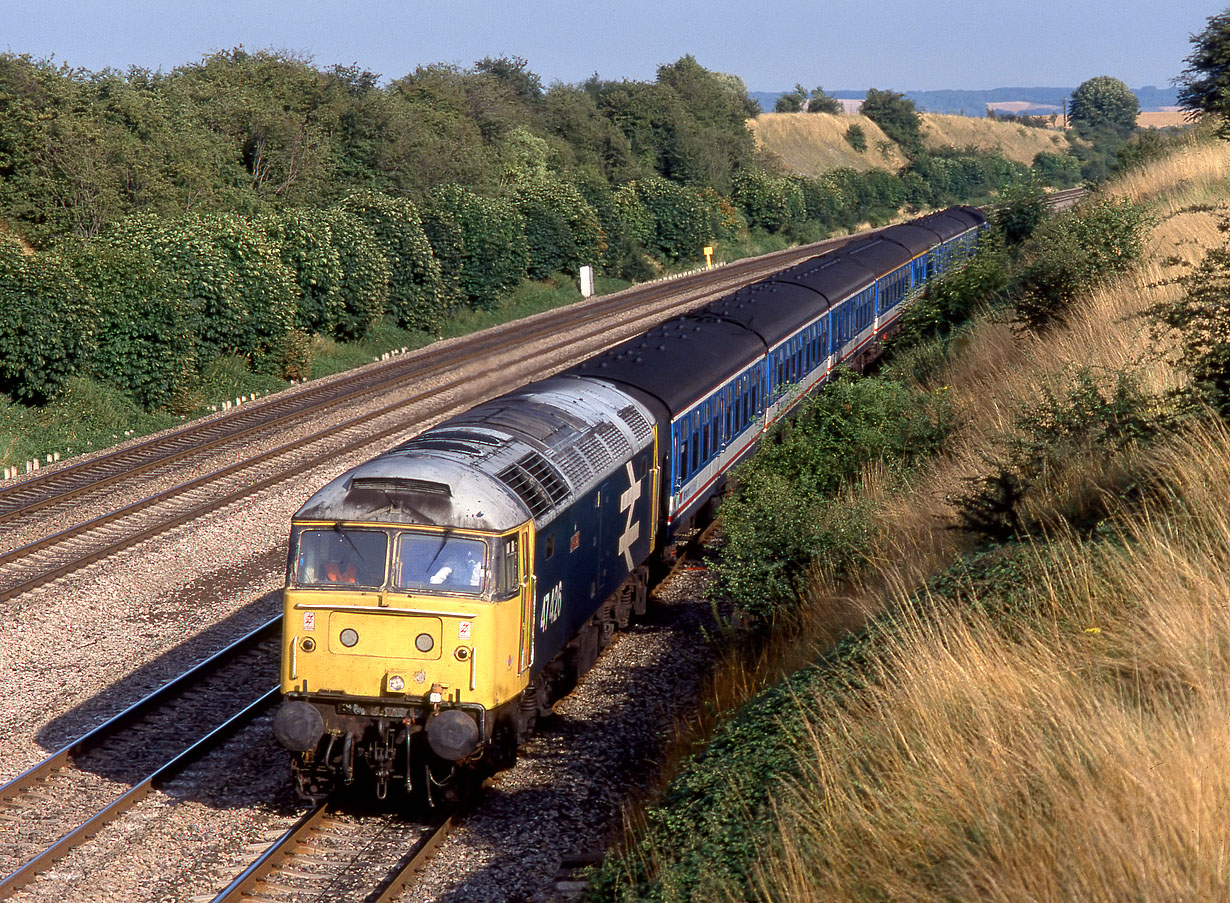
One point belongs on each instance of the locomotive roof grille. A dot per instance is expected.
(636, 420)
(401, 484)
(535, 482)
(432, 443)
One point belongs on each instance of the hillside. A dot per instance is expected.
(812, 143)
(1030, 713)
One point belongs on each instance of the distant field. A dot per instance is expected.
(1160, 120)
(813, 143)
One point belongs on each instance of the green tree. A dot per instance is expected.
(821, 102)
(791, 101)
(897, 116)
(1204, 86)
(1103, 102)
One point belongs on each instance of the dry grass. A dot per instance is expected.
(1162, 120)
(1088, 761)
(814, 143)
(1016, 142)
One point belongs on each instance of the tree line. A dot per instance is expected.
(242, 204)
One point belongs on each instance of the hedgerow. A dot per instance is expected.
(46, 323)
(561, 228)
(483, 239)
(364, 288)
(416, 289)
(304, 238)
(143, 339)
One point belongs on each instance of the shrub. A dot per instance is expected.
(45, 324)
(786, 514)
(1070, 253)
(770, 202)
(1197, 323)
(416, 291)
(681, 220)
(364, 288)
(1021, 209)
(1080, 424)
(856, 137)
(561, 228)
(483, 237)
(239, 297)
(304, 238)
(143, 339)
(1059, 170)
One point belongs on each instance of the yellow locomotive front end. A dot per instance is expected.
(405, 644)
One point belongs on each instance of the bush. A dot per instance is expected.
(681, 220)
(1079, 425)
(416, 297)
(1070, 253)
(45, 324)
(770, 202)
(856, 137)
(364, 288)
(1058, 170)
(304, 238)
(786, 516)
(143, 340)
(952, 300)
(239, 298)
(484, 238)
(561, 228)
(1198, 325)
(1021, 208)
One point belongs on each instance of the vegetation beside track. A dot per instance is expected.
(1012, 683)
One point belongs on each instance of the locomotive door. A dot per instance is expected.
(528, 597)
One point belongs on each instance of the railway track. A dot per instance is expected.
(328, 854)
(92, 781)
(573, 332)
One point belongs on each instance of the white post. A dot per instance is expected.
(587, 282)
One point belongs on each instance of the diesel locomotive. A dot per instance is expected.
(441, 596)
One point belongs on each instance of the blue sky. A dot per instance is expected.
(894, 44)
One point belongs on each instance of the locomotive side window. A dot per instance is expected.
(329, 557)
(438, 562)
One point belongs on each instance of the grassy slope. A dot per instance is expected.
(812, 143)
(1046, 723)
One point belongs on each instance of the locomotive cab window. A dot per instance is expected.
(338, 557)
(440, 562)
(508, 566)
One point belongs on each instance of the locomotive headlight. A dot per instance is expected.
(349, 637)
(397, 683)
(423, 642)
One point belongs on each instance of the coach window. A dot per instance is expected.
(696, 458)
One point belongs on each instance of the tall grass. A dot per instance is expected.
(1088, 759)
